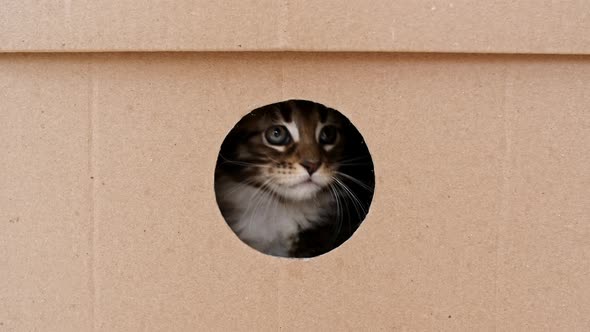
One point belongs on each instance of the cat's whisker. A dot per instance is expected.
(255, 198)
(355, 180)
(239, 185)
(342, 209)
(270, 203)
(338, 210)
(343, 198)
(258, 206)
(273, 160)
(354, 199)
(354, 159)
(241, 163)
(354, 164)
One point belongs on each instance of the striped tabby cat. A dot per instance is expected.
(294, 179)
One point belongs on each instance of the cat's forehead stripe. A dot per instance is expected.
(307, 122)
(293, 130)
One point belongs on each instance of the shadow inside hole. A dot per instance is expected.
(294, 179)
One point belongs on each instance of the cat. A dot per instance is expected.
(294, 179)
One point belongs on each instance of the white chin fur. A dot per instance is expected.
(266, 223)
(301, 192)
(295, 188)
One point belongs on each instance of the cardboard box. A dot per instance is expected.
(481, 215)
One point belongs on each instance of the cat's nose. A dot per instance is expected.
(311, 165)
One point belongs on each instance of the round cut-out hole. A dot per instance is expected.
(294, 179)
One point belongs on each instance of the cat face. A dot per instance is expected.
(290, 148)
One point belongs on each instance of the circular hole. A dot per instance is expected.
(294, 179)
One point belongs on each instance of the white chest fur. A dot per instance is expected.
(265, 222)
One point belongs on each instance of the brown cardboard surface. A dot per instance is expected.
(500, 26)
(480, 219)
(46, 257)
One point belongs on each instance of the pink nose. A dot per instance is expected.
(310, 166)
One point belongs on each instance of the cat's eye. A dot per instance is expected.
(277, 135)
(328, 135)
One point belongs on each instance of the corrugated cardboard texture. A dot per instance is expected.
(500, 26)
(480, 219)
